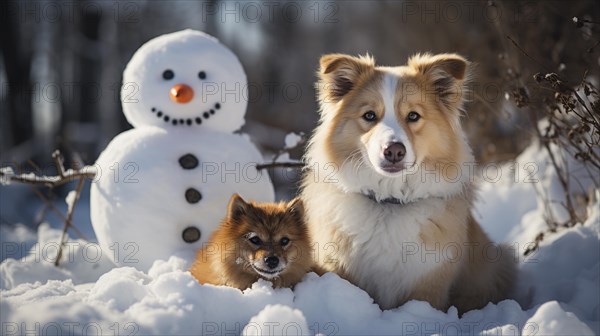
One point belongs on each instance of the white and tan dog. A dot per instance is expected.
(388, 191)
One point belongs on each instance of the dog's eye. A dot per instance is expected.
(284, 241)
(202, 75)
(413, 116)
(168, 74)
(369, 116)
(255, 240)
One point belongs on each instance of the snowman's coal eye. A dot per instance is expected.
(168, 74)
(202, 75)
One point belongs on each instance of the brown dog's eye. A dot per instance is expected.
(284, 241)
(255, 240)
(413, 116)
(369, 116)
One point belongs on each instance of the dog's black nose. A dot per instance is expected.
(394, 152)
(272, 262)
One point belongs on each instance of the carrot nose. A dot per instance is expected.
(181, 93)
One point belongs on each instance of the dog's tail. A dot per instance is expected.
(487, 275)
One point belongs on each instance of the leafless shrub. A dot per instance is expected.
(570, 126)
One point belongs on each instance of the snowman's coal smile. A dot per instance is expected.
(185, 121)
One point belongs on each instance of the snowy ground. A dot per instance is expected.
(558, 291)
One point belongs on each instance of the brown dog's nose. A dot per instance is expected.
(272, 262)
(394, 152)
(181, 93)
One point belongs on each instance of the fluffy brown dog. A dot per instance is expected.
(268, 241)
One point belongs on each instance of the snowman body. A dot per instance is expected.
(162, 187)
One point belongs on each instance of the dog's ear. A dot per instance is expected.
(295, 208)
(452, 65)
(237, 207)
(339, 73)
(446, 74)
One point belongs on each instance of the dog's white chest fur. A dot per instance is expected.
(377, 245)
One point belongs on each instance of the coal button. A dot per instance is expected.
(193, 196)
(188, 161)
(191, 234)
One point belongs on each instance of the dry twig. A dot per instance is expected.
(64, 176)
(280, 165)
(68, 221)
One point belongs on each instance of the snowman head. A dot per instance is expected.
(185, 79)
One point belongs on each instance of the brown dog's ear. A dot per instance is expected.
(237, 207)
(295, 208)
(339, 74)
(446, 73)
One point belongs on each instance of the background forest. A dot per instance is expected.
(61, 64)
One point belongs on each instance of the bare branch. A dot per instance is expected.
(47, 202)
(523, 51)
(280, 165)
(57, 212)
(68, 221)
(52, 181)
(59, 163)
(64, 176)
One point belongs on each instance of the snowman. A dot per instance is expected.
(163, 186)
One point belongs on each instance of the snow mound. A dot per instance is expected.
(277, 320)
(168, 300)
(292, 140)
(81, 261)
(551, 319)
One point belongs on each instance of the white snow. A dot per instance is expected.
(551, 319)
(277, 320)
(6, 174)
(15, 241)
(81, 262)
(70, 200)
(557, 294)
(293, 139)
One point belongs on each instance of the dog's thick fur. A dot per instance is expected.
(399, 230)
(231, 258)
